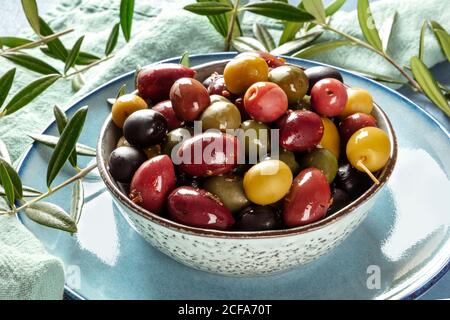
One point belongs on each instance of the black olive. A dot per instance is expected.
(258, 218)
(352, 181)
(145, 128)
(315, 74)
(340, 200)
(183, 179)
(124, 161)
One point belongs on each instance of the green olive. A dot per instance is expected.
(175, 137)
(230, 191)
(302, 104)
(257, 139)
(292, 80)
(288, 158)
(221, 115)
(323, 160)
(217, 98)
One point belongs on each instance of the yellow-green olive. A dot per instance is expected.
(229, 189)
(292, 80)
(221, 115)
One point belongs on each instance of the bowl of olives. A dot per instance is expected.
(248, 166)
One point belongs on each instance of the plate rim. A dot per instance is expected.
(406, 293)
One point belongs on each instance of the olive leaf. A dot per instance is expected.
(367, 25)
(28, 192)
(30, 92)
(61, 123)
(73, 55)
(14, 42)
(84, 58)
(442, 36)
(265, 38)
(112, 39)
(208, 8)
(77, 203)
(4, 153)
(334, 7)
(31, 12)
(422, 41)
(122, 90)
(319, 48)
(55, 46)
(296, 45)
(184, 60)
(429, 84)
(77, 82)
(289, 32)
(218, 21)
(278, 10)
(243, 44)
(5, 181)
(315, 8)
(5, 84)
(66, 144)
(386, 30)
(30, 63)
(126, 17)
(51, 215)
(52, 141)
(16, 183)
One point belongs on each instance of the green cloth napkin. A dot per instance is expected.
(160, 30)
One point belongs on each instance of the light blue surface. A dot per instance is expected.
(406, 234)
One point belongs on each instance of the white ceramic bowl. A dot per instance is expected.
(242, 253)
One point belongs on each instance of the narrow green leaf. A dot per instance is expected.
(73, 55)
(435, 25)
(51, 141)
(30, 92)
(84, 58)
(319, 48)
(278, 10)
(77, 82)
(51, 215)
(429, 84)
(122, 90)
(5, 181)
(6, 81)
(220, 21)
(422, 41)
(185, 59)
(13, 42)
(126, 17)
(28, 192)
(77, 203)
(243, 44)
(55, 46)
(315, 8)
(61, 122)
(289, 32)
(294, 46)
(262, 34)
(444, 40)
(4, 153)
(14, 177)
(30, 62)
(334, 7)
(31, 12)
(367, 25)
(112, 39)
(208, 8)
(386, 30)
(66, 144)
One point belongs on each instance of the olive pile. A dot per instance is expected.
(329, 144)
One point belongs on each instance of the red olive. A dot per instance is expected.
(265, 101)
(152, 182)
(208, 154)
(271, 60)
(308, 200)
(189, 98)
(198, 208)
(217, 86)
(328, 97)
(166, 109)
(154, 82)
(353, 123)
(300, 130)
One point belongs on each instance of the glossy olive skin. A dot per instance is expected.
(189, 98)
(315, 74)
(124, 106)
(166, 109)
(308, 200)
(123, 163)
(217, 86)
(292, 80)
(174, 139)
(302, 104)
(258, 218)
(152, 183)
(323, 160)
(359, 100)
(241, 72)
(145, 128)
(353, 123)
(330, 139)
(218, 98)
(152, 151)
(271, 60)
(230, 191)
(352, 181)
(217, 154)
(154, 82)
(183, 179)
(328, 97)
(198, 208)
(221, 115)
(300, 130)
(256, 139)
(288, 158)
(265, 102)
(340, 200)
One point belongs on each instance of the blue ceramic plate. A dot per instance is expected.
(400, 250)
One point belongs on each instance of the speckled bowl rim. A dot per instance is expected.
(164, 222)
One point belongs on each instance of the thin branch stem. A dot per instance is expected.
(93, 64)
(231, 26)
